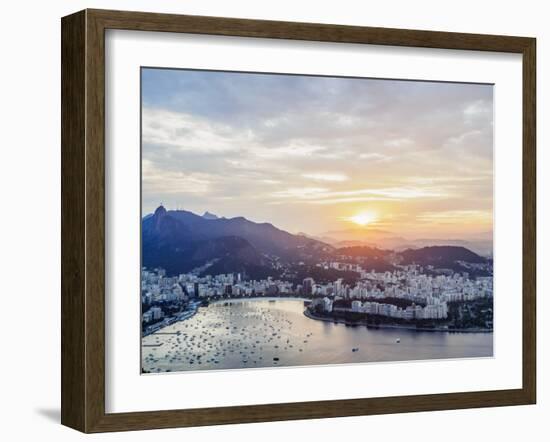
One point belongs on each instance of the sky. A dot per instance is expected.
(320, 154)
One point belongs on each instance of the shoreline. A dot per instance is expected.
(309, 315)
(172, 320)
(261, 298)
(190, 313)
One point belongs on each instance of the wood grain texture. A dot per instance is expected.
(144, 21)
(83, 220)
(95, 222)
(529, 220)
(73, 257)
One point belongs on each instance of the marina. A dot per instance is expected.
(263, 332)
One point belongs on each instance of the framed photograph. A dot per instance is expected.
(268, 220)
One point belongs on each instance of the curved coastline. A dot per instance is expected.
(190, 313)
(172, 320)
(309, 315)
(277, 333)
(261, 298)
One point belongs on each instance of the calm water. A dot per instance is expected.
(260, 333)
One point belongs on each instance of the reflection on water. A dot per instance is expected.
(263, 333)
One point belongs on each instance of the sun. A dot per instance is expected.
(363, 218)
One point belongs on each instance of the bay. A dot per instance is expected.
(255, 333)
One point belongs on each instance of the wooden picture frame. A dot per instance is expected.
(83, 220)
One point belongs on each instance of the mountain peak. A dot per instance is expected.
(208, 215)
(160, 211)
(441, 255)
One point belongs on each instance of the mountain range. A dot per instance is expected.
(179, 241)
(368, 236)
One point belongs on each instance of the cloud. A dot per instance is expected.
(447, 180)
(374, 157)
(320, 176)
(478, 108)
(466, 137)
(320, 195)
(189, 133)
(353, 199)
(293, 148)
(457, 216)
(158, 181)
(399, 142)
(300, 192)
(239, 143)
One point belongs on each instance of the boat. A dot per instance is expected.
(398, 340)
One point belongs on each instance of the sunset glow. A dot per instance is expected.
(321, 155)
(363, 218)
(278, 207)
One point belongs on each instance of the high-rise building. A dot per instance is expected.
(308, 284)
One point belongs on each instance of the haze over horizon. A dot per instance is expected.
(319, 154)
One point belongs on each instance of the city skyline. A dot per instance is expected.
(319, 154)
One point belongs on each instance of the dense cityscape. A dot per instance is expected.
(406, 296)
(295, 220)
